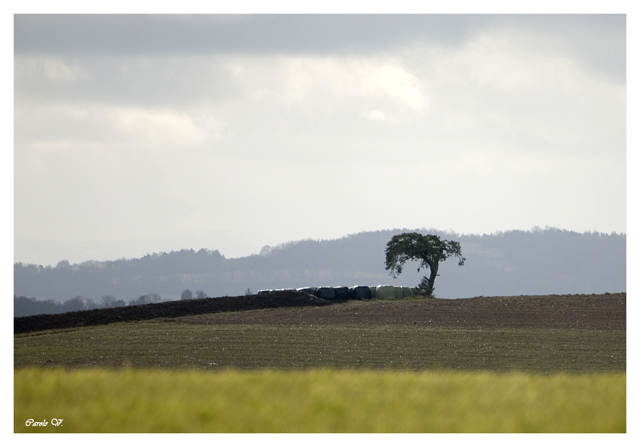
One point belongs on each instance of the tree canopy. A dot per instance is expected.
(429, 250)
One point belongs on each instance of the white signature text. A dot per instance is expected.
(33, 423)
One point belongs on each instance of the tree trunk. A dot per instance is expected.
(426, 285)
(432, 277)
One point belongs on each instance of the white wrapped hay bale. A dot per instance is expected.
(407, 292)
(385, 292)
(327, 293)
(310, 290)
(342, 293)
(361, 293)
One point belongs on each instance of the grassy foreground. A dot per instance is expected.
(316, 401)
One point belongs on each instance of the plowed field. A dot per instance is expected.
(605, 312)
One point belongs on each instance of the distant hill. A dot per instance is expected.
(537, 262)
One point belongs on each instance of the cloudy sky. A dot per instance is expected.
(142, 134)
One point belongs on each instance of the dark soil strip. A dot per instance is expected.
(169, 309)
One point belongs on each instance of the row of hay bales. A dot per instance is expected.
(383, 292)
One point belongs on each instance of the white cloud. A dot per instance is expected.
(106, 128)
(492, 92)
(162, 127)
(393, 81)
(50, 68)
(294, 80)
(376, 115)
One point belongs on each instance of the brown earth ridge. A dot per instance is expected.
(596, 312)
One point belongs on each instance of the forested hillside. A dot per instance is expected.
(549, 261)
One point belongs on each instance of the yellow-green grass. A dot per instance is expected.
(316, 401)
(215, 347)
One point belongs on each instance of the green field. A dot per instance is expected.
(317, 400)
(214, 347)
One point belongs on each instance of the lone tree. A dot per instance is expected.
(429, 250)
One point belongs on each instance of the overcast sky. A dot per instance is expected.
(142, 134)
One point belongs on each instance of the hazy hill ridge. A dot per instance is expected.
(536, 262)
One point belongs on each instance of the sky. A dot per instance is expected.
(138, 134)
